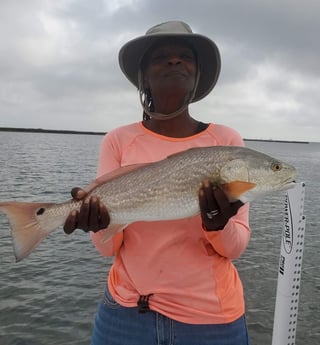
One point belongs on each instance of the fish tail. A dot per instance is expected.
(27, 232)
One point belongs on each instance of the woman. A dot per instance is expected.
(172, 282)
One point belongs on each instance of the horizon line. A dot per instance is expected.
(65, 131)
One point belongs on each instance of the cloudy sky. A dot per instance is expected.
(59, 63)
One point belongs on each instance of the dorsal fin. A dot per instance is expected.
(125, 170)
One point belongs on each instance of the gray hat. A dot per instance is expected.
(206, 50)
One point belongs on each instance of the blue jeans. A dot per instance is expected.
(117, 325)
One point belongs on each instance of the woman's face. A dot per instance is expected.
(170, 67)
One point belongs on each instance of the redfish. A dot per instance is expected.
(164, 190)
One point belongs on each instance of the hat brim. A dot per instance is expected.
(207, 54)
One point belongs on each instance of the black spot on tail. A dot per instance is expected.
(40, 211)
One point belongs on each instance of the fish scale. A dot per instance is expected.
(129, 205)
(164, 190)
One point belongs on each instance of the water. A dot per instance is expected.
(51, 297)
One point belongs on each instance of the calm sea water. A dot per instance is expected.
(51, 297)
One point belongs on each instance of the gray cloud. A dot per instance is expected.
(59, 67)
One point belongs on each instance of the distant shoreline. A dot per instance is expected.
(54, 131)
(279, 141)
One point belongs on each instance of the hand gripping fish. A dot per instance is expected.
(164, 190)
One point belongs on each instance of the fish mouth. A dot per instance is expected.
(290, 181)
(289, 184)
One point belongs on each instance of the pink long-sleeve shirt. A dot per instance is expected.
(188, 271)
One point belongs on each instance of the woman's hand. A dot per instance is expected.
(215, 208)
(93, 214)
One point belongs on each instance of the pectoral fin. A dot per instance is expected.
(236, 188)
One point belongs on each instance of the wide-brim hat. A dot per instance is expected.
(207, 52)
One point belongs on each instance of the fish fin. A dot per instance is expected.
(25, 228)
(112, 175)
(111, 230)
(234, 189)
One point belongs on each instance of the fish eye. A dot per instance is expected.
(40, 211)
(276, 166)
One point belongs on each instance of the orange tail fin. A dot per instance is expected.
(27, 232)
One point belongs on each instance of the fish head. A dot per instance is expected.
(250, 175)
